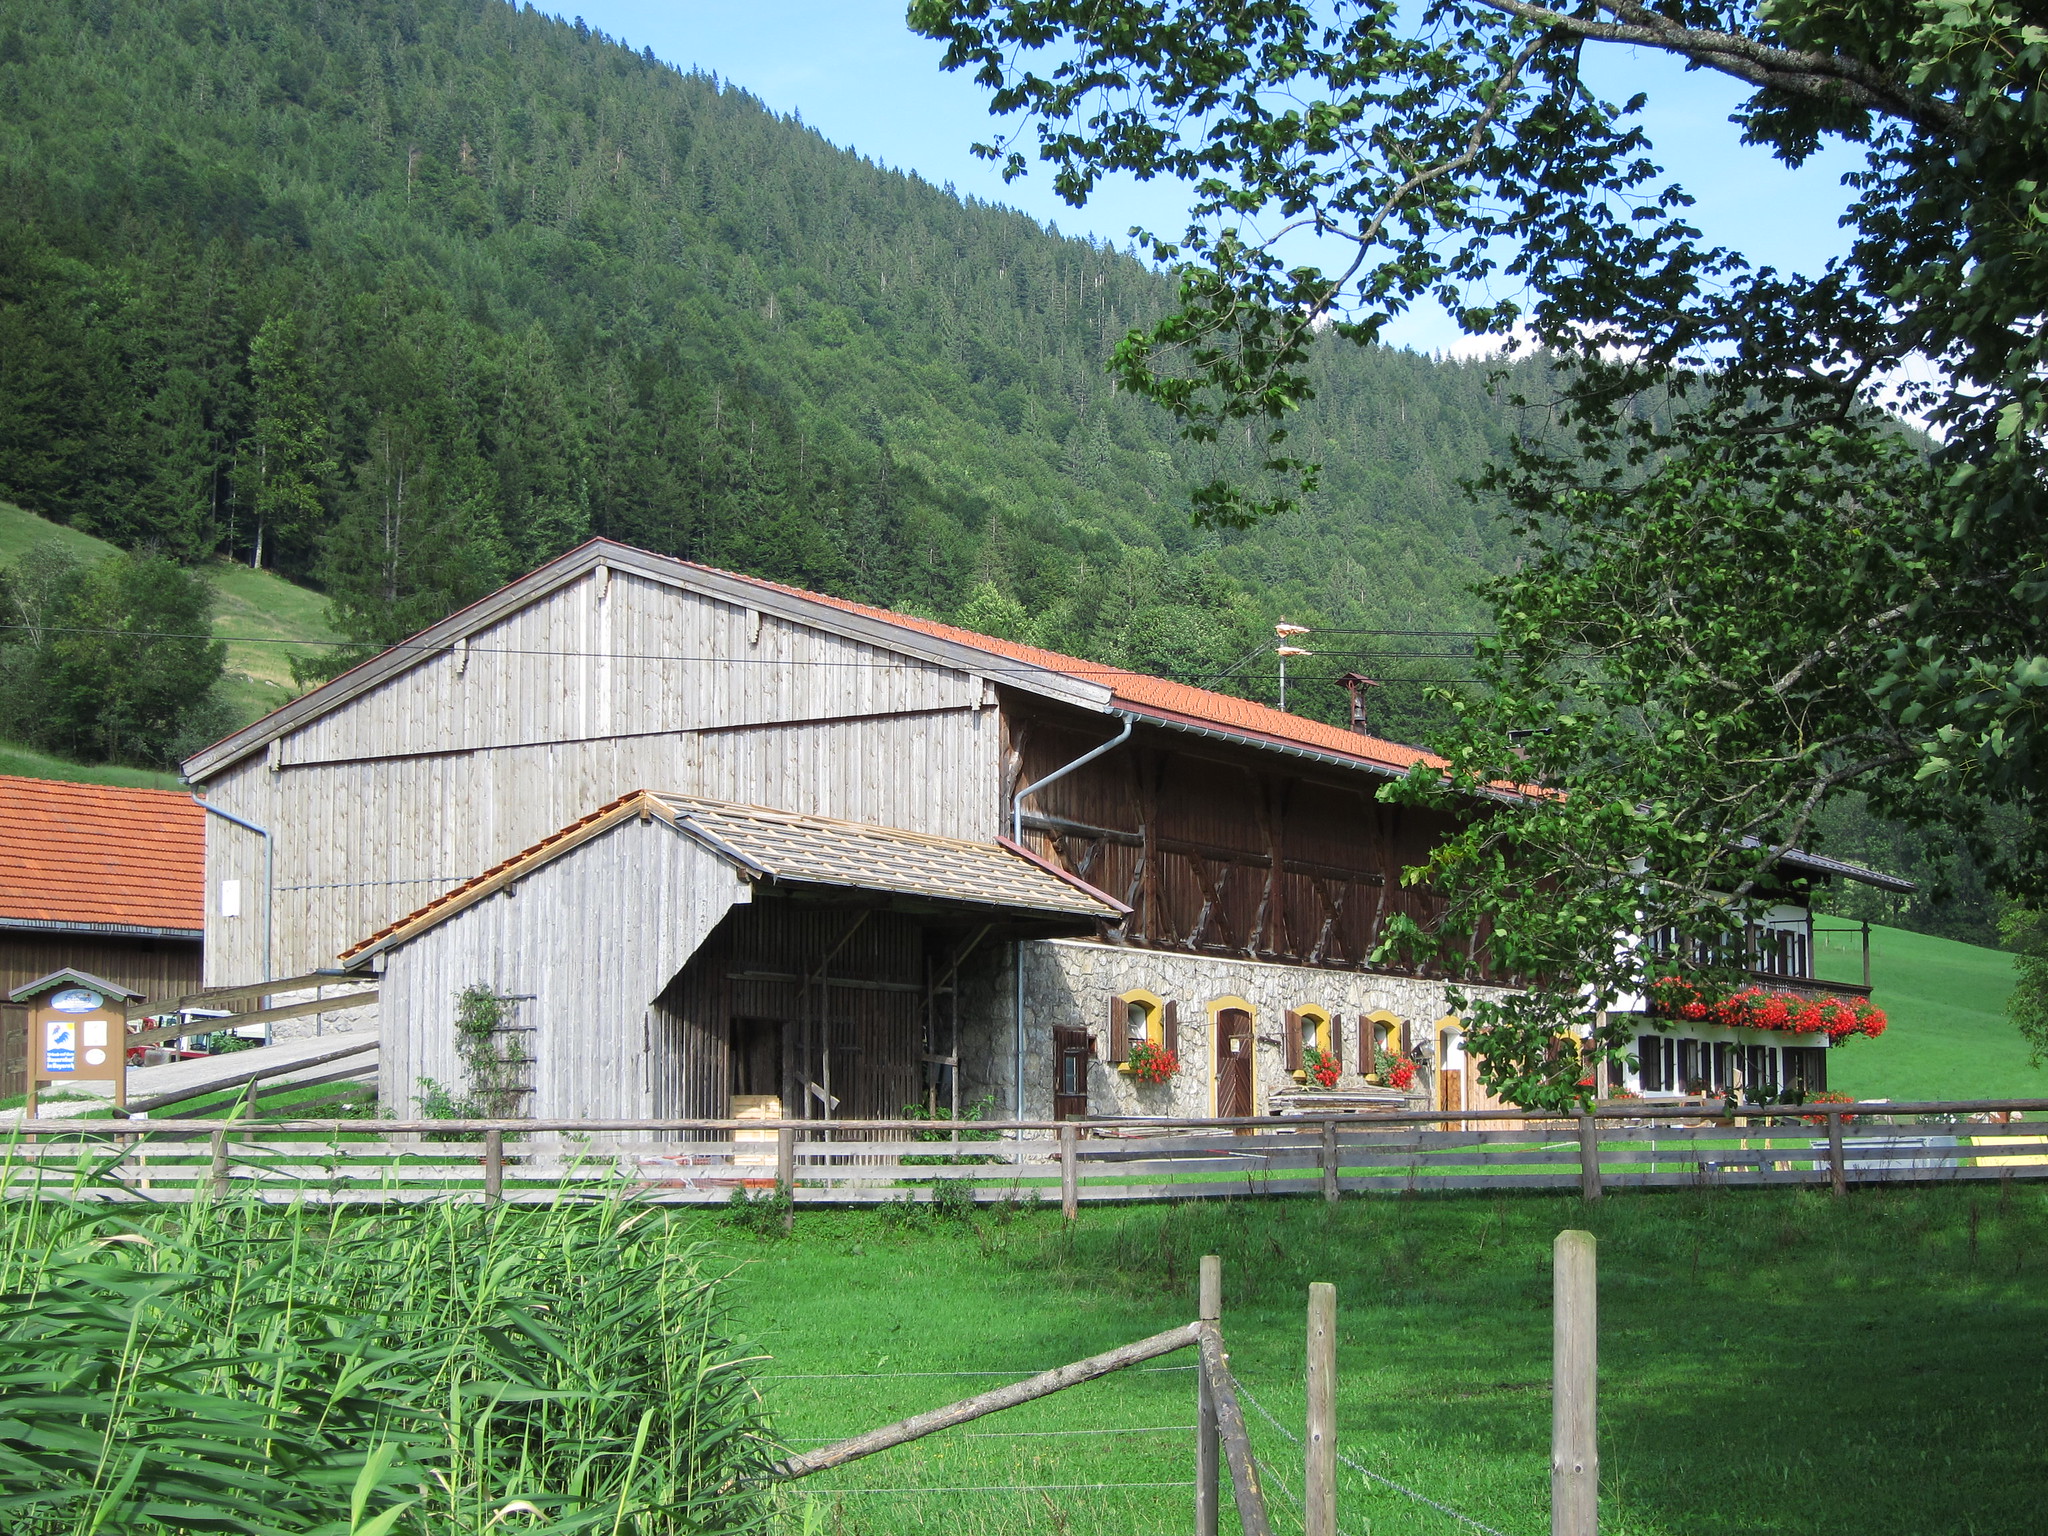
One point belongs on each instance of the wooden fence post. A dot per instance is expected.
(1319, 1498)
(219, 1147)
(494, 1167)
(1208, 1447)
(1070, 1173)
(785, 1175)
(1574, 1372)
(1838, 1173)
(1589, 1158)
(1330, 1161)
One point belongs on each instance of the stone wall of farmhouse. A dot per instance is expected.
(1069, 983)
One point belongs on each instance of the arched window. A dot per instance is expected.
(1137, 1018)
(1382, 1032)
(1309, 1029)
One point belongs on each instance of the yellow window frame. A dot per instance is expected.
(1324, 1022)
(1155, 1020)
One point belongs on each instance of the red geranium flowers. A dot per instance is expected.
(1675, 997)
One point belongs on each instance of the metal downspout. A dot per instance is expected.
(268, 868)
(1017, 945)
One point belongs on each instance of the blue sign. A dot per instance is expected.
(60, 1045)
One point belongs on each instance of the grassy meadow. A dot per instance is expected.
(264, 619)
(26, 762)
(1772, 1361)
(1948, 1035)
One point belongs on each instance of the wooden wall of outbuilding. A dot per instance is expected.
(1225, 849)
(858, 1028)
(583, 945)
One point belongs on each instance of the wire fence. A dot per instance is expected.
(1245, 1395)
(1283, 1476)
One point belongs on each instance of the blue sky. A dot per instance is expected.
(854, 72)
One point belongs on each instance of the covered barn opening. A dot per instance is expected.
(818, 1004)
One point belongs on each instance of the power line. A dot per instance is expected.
(1018, 669)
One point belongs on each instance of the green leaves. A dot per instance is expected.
(272, 1372)
(1716, 453)
(111, 662)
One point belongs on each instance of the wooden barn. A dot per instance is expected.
(1152, 864)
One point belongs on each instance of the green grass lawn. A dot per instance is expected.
(26, 762)
(256, 611)
(1948, 1036)
(1772, 1361)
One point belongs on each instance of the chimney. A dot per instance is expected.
(1355, 684)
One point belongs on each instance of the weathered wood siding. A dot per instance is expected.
(611, 683)
(585, 944)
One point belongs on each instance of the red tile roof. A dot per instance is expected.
(1144, 694)
(95, 854)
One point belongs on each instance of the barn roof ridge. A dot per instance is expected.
(1095, 686)
(791, 847)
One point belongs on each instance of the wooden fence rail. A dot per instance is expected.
(857, 1162)
(1219, 1417)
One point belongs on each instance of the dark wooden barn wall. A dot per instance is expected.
(875, 1037)
(1224, 851)
(157, 968)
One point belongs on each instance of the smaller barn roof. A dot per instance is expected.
(818, 850)
(73, 978)
(798, 850)
(95, 858)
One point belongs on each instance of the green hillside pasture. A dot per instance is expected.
(258, 613)
(1948, 1035)
(26, 762)
(1774, 1363)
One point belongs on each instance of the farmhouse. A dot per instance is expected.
(716, 845)
(104, 880)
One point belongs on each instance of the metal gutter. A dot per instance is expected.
(1017, 840)
(106, 930)
(1245, 738)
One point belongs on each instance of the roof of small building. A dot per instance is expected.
(68, 977)
(98, 858)
(793, 849)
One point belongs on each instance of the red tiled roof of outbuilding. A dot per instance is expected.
(101, 856)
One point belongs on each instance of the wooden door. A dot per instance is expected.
(1451, 1087)
(13, 1051)
(1071, 1053)
(1233, 1064)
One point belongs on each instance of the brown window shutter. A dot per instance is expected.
(1407, 1039)
(1337, 1038)
(1119, 1043)
(1169, 1027)
(1293, 1033)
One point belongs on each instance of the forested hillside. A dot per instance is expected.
(400, 297)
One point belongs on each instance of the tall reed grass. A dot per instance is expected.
(435, 1370)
